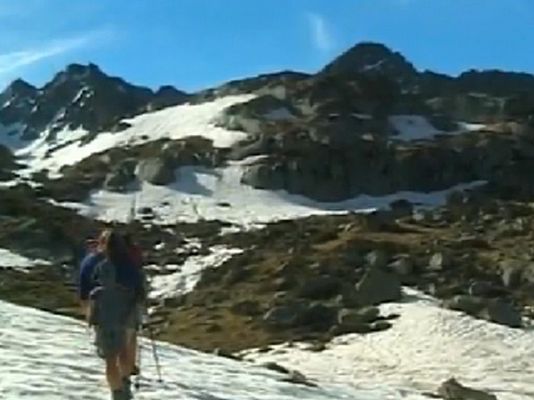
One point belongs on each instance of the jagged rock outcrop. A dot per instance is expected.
(81, 96)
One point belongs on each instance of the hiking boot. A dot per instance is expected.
(119, 395)
(127, 388)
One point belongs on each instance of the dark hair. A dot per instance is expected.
(128, 239)
(115, 248)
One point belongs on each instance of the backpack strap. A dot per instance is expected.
(104, 275)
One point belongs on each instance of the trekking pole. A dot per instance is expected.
(137, 383)
(155, 354)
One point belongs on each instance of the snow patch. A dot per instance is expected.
(362, 116)
(371, 67)
(188, 274)
(425, 346)
(176, 122)
(8, 259)
(413, 127)
(468, 126)
(50, 357)
(199, 193)
(418, 127)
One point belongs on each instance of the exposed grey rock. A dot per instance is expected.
(402, 266)
(503, 313)
(319, 317)
(439, 261)
(484, 289)
(285, 316)
(494, 310)
(350, 318)
(378, 286)
(453, 390)
(377, 259)
(156, 171)
(511, 272)
(469, 304)
(122, 175)
(401, 208)
(321, 287)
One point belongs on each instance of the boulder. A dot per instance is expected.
(503, 313)
(453, 390)
(318, 317)
(401, 208)
(285, 316)
(348, 318)
(484, 289)
(402, 266)
(378, 286)
(156, 171)
(380, 325)
(471, 305)
(321, 287)
(377, 259)
(439, 261)
(511, 271)
(119, 178)
(264, 176)
(495, 310)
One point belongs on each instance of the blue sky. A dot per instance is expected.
(194, 44)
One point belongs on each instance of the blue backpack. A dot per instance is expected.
(113, 305)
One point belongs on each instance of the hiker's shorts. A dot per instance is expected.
(110, 341)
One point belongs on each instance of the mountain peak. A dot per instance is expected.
(18, 88)
(83, 70)
(372, 58)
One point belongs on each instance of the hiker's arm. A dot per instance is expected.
(86, 284)
(85, 305)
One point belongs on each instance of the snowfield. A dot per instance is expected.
(418, 127)
(185, 278)
(50, 357)
(47, 357)
(425, 346)
(218, 194)
(8, 259)
(175, 122)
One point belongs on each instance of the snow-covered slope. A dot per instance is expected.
(66, 147)
(219, 194)
(425, 346)
(418, 127)
(46, 357)
(8, 259)
(413, 127)
(186, 276)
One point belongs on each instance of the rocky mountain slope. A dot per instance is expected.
(231, 193)
(81, 96)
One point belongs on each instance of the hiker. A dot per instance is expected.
(110, 287)
(136, 255)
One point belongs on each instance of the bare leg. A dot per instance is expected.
(128, 354)
(113, 374)
(133, 352)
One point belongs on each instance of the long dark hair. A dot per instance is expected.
(114, 247)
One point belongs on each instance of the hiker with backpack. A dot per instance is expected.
(110, 288)
(136, 255)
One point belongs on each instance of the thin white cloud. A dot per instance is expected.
(12, 62)
(320, 33)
